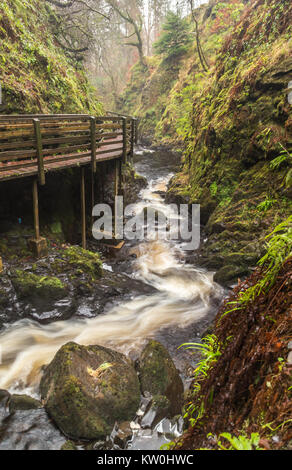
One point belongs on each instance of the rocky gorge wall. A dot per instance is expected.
(234, 123)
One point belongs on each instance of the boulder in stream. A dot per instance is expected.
(22, 403)
(87, 390)
(160, 378)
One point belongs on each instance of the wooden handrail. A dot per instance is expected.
(38, 141)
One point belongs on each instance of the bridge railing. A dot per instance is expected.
(27, 141)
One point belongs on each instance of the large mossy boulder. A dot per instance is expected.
(28, 284)
(86, 390)
(160, 378)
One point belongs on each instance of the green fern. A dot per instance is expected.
(240, 442)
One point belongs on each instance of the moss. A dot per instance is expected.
(23, 402)
(4, 297)
(28, 284)
(69, 445)
(35, 73)
(81, 262)
(86, 407)
(159, 376)
(230, 273)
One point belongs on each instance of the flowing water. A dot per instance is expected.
(184, 296)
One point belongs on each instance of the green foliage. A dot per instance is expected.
(284, 158)
(214, 189)
(279, 246)
(266, 204)
(210, 353)
(35, 73)
(241, 442)
(175, 37)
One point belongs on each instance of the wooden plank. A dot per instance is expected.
(16, 155)
(55, 166)
(108, 126)
(49, 117)
(39, 148)
(110, 142)
(111, 134)
(17, 145)
(67, 140)
(63, 150)
(110, 151)
(125, 140)
(64, 130)
(19, 133)
(9, 126)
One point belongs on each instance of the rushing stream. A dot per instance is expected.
(184, 296)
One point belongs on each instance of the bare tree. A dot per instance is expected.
(135, 22)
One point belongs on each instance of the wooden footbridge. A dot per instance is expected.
(35, 145)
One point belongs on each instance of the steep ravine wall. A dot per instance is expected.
(234, 124)
(35, 74)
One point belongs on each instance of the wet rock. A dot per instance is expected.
(78, 261)
(158, 410)
(31, 285)
(230, 273)
(4, 400)
(159, 376)
(69, 445)
(212, 261)
(122, 434)
(23, 402)
(173, 197)
(88, 389)
(4, 298)
(217, 227)
(30, 430)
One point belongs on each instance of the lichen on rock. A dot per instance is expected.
(86, 405)
(79, 262)
(160, 378)
(28, 284)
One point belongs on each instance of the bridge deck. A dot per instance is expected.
(22, 169)
(38, 144)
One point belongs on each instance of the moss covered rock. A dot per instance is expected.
(81, 262)
(23, 402)
(159, 376)
(229, 273)
(87, 389)
(4, 297)
(69, 445)
(28, 284)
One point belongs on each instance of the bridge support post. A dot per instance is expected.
(83, 208)
(38, 245)
(39, 149)
(118, 188)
